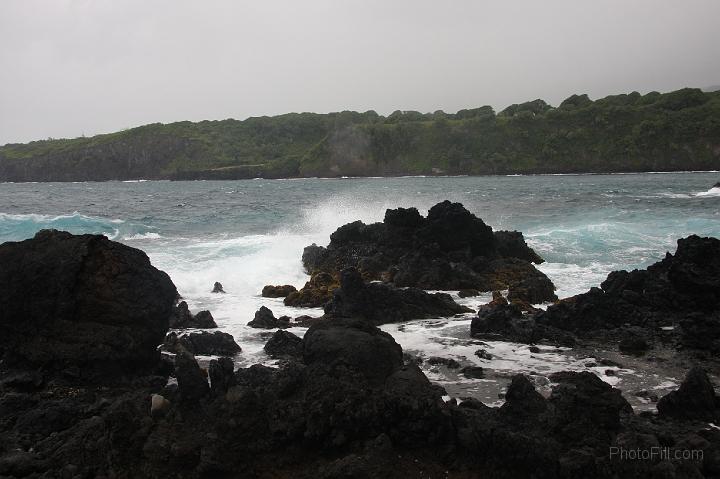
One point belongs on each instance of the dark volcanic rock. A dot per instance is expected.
(271, 291)
(182, 318)
(633, 344)
(265, 319)
(82, 301)
(204, 343)
(382, 303)
(222, 377)
(284, 344)
(354, 344)
(694, 399)
(451, 249)
(217, 288)
(467, 293)
(473, 372)
(587, 410)
(315, 293)
(683, 288)
(192, 383)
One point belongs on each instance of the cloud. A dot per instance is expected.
(82, 67)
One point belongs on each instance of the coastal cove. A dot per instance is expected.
(250, 233)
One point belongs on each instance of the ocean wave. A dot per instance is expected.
(19, 226)
(142, 236)
(714, 191)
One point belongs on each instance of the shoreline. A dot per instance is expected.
(302, 178)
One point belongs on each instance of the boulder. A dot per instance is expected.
(521, 399)
(222, 377)
(182, 318)
(473, 372)
(383, 303)
(354, 344)
(217, 288)
(694, 399)
(204, 343)
(192, 383)
(466, 293)
(284, 344)
(265, 319)
(271, 291)
(82, 301)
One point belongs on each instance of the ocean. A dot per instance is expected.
(250, 233)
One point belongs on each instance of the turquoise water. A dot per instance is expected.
(247, 234)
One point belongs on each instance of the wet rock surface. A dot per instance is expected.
(271, 291)
(265, 319)
(81, 301)
(450, 249)
(216, 343)
(348, 403)
(381, 303)
(182, 318)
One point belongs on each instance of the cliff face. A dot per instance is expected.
(661, 132)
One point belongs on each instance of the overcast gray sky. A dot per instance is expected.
(73, 67)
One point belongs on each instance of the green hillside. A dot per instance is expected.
(658, 132)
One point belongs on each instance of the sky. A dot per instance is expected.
(80, 67)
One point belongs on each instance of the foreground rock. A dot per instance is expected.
(382, 303)
(81, 302)
(182, 318)
(204, 343)
(695, 399)
(451, 249)
(348, 405)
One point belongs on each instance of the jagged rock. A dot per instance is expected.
(587, 410)
(521, 399)
(192, 383)
(449, 363)
(271, 291)
(483, 354)
(451, 249)
(694, 399)
(382, 303)
(467, 293)
(683, 288)
(204, 343)
(82, 301)
(284, 344)
(222, 377)
(217, 288)
(315, 293)
(265, 319)
(182, 318)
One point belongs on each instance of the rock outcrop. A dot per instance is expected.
(284, 344)
(204, 343)
(316, 292)
(694, 399)
(271, 291)
(182, 318)
(265, 319)
(451, 249)
(82, 301)
(383, 303)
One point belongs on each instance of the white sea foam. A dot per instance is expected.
(142, 236)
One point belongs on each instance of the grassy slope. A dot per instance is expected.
(673, 131)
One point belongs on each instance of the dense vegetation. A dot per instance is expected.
(658, 132)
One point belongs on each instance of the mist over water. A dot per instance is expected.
(247, 234)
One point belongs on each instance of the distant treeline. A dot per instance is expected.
(620, 133)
